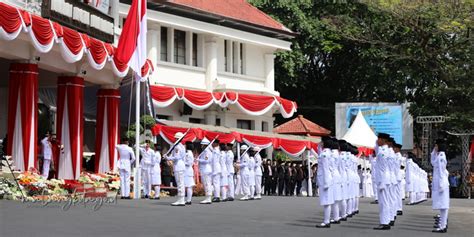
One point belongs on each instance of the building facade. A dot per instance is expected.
(57, 58)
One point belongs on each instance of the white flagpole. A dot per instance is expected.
(310, 183)
(137, 178)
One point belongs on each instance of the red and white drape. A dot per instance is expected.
(107, 130)
(44, 34)
(70, 124)
(23, 115)
(255, 105)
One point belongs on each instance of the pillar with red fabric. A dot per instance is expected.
(70, 125)
(23, 115)
(107, 130)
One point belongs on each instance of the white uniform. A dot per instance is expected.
(216, 171)
(337, 183)
(367, 189)
(258, 175)
(224, 175)
(373, 164)
(231, 172)
(178, 157)
(205, 168)
(398, 186)
(126, 158)
(189, 175)
(156, 174)
(440, 194)
(245, 175)
(47, 155)
(252, 176)
(325, 183)
(146, 165)
(382, 177)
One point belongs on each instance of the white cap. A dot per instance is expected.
(257, 149)
(204, 141)
(244, 147)
(178, 135)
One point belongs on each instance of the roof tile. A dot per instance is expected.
(301, 126)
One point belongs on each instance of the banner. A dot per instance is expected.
(382, 119)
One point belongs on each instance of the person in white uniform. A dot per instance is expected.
(205, 170)
(258, 173)
(216, 170)
(244, 165)
(337, 182)
(156, 172)
(440, 193)
(146, 165)
(47, 154)
(325, 181)
(367, 189)
(178, 156)
(224, 173)
(189, 172)
(126, 159)
(252, 174)
(230, 172)
(382, 175)
(399, 175)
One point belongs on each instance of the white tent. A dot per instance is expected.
(360, 134)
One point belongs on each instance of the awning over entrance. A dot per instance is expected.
(251, 104)
(73, 45)
(291, 145)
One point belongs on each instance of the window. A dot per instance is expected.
(196, 120)
(218, 122)
(165, 117)
(264, 126)
(244, 124)
(195, 50)
(164, 44)
(241, 59)
(225, 56)
(180, 47)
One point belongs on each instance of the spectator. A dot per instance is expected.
(299, 178)
(453, 184)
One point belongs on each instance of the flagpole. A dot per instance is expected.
(137, 178)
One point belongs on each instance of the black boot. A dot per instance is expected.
(382, 227)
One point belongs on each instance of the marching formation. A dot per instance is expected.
(338, 177)
(338, 181)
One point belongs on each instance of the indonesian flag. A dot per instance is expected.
(131, 48)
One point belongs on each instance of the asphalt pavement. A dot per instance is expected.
(271, 216)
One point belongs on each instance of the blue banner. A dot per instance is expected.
(382, 119)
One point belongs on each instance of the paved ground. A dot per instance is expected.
(272, 216)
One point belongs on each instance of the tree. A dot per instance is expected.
(378, 51)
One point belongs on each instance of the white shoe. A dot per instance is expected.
(180, 202)
(244, 198)
(206, 201)
(258, 197)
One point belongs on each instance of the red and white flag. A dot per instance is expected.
(131, 48)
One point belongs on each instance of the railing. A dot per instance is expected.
(79, 16)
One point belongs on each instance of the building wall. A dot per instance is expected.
(3, 111)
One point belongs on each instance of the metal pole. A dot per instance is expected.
(137, 178)
(310, 186)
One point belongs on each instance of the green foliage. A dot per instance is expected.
(147, 121)
(378, 51)
(281, 156)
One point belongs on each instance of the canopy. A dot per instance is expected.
(291, 145)
(73, 45)
(360, 134)
(251, 104)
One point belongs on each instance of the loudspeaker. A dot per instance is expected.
(187, 110)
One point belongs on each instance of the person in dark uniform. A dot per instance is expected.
(274, 181)
(268, 176)
(288, 174)
(281, 178)
(299, 179)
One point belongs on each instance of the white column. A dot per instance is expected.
(200, 53)
(154, 45)
(269, 72)
(210, 117)
(189, 48)
(170, 44)
(230, 56)
(236, 56)
(310, 184)
(211, 61)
